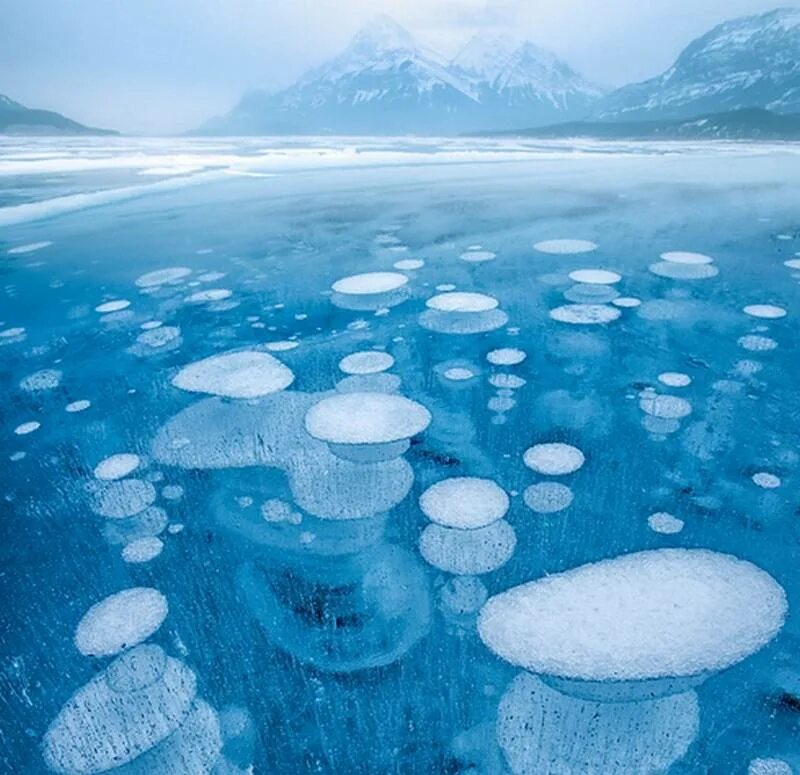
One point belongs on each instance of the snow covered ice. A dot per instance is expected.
(401, 455)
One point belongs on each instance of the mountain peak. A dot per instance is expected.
(382, 33)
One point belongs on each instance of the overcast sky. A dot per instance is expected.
(160, 66)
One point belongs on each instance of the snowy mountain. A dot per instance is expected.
(386, 83)
(748, 62)
(16, 119)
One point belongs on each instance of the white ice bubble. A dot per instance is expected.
(78, 406)
(142, 549)
(792, 263)
(769, 767)
(626, 302)
(468, 552)
(506, 381)
(584, 293)
(369, 383)
(766, 480)
(647, 615)
(15, 334)
(766, 311)
(458, 373)
(122, 498)
(463, 595)
(46, 379)
(477, 256)
(210, 277)
(462, 301)
(29, 248)
(366, 418)
(27, 427)
(674, 379)
(664, 523)
(506, 356)
(585, 314)
(117, 466)
(565, 246)
(675, 271)
(668, 407)
(409, 264)
(168, 276)
(595, 276)
(159, 337)
(120, 621)
(242, 374)
(757, 344)
(112, 306)
(554, 459)
(464, 502)
(151, 324)
(213, 294)
(548, 497)
(281, 346)
(370, 283)
(366, 362)
(683, 257)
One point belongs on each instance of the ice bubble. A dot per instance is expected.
(276, 510)
(458, 373)
(585, 314)
(468, 552)
(151, 324)
(584, 293)
(117, 466)
(500, 404)
(465, 502)
(243, 374)
(366, 418)
(660, 426)
(667, 524)
(213, 294)
(120, 621)
(147, 523)
(769, 767)
(370, 283)
(506, 356)
(445, 287)
(167, 276)
(506, 381)
(138, 701)
(281, 346)
(674, 379)
(142, 549)
(626, 302)
(554, 459)
(766, 480)
(30, 248)
(46, 379)
(456, 301)
(757, 344)
(478, 256)
(683, 257)
(172, 492)
(366, 362)
(565, 246)
(463, 595)
(159, 337)
(112, 306)
(547, 497)
(10, 335)
(78, 406)
(675, 271)
(647, 615)
(210, 277)
(27, 427)
(766, 311)
(595, 276)
(369, 383)
(122, 498)
(669, 407)
(792, 263)
(409, 264)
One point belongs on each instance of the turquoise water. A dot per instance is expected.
(335, 645)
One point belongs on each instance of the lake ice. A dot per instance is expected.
(414, 456)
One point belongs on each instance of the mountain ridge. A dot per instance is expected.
(17, 119)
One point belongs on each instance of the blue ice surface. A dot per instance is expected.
(330, 644)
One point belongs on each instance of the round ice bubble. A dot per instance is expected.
(213, 294)
(142, 549)
(585, 314)
(366, 362)
(765, 311)
(465, 502)
(409, 264)
(167, 276)
(674, 379)
(366, 418)
(112, 306)
(554, 458)
(548, 497)
(243, 374)
(668, 407)
(565, 246)
(757, 344)
(585, 293)
(506, 356)
(462, 301)
(626, 302)
(46, 379)
(77, 406)
(684, 257)
(120, 621)
(370, 283)
(468, 552)
(766, 480)
(477, 256)
(458, 374)
(664, 523)
(116, 466)
(676, 271)
(27, 427)
(595, 276)
(647, 615)
(122, 498)
(769, 767)
(369, 383)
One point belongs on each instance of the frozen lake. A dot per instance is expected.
(311, 450)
